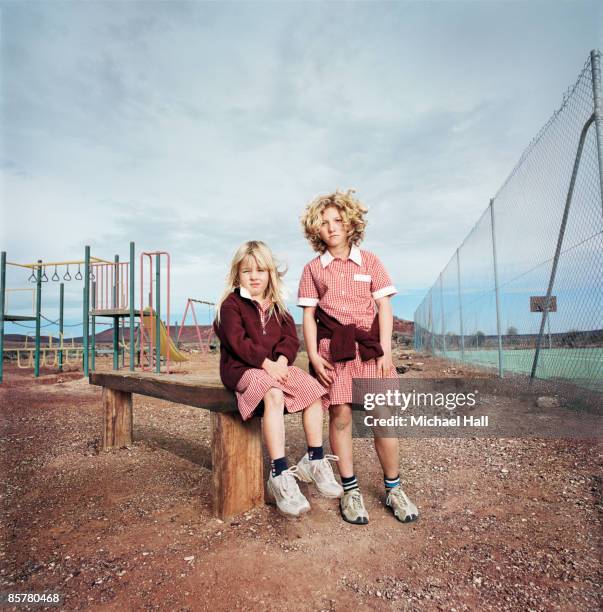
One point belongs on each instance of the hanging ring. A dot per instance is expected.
(67, 276)
(55, 276)
(78, 275)
(32, 277)
(44, 277)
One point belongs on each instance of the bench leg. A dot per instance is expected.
(117, 407)
(237, 465)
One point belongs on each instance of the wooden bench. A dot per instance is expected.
(236, 447)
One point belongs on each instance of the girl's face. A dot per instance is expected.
(253, 278)
(333, 231)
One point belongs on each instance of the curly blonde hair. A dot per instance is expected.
(352, 212)
(265, 259)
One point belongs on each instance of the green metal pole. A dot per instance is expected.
(122, 352)
(85, 322)
(61, 322)
(93, 331)
(116, 319)
(2, 304)
(38, 309)
(132, 347)
(158, 314)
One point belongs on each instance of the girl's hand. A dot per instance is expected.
(384, 365)
(276, 369)
(282, 361)
(323, 370)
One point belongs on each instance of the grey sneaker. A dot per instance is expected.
(404, 510)
(321, 474)
(352, 508)
(289, 499)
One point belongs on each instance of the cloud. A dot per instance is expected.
(191, 127)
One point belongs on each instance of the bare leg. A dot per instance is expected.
(340, 436)
(388, 451)
(312, 419)
(273, 423)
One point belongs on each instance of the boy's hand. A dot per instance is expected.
(276, 369)
(323, 370)
(384, 365)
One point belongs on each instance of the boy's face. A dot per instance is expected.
(253, 277)
(333, 231)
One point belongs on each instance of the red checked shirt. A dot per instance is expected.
(346, 289)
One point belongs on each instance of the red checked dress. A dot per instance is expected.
(300, 391)
(346, 290)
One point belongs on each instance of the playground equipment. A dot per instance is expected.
(108, 292)
(38, 276)
(190, 303)
(152, 331)
(61, 354)
(167, 347)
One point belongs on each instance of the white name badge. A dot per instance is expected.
(365, 278)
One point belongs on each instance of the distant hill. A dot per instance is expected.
(188, 335)
(403, 326)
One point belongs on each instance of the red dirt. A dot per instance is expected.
(133, 529)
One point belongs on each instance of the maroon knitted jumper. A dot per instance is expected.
(243, 342)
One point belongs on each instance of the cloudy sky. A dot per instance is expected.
(191, 127)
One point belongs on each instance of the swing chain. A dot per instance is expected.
(55, 276)
(67, 276)
(78, 275)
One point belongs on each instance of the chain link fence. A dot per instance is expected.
(524, 291)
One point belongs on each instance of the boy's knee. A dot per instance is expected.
(341, 416)
(274, 397)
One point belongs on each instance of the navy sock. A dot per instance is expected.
(278, 465)
(390, 483)
(315, 452)
(350, 483)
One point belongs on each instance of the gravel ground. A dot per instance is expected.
(506, 524)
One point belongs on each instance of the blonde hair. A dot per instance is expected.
(264, 259)
(352, 212)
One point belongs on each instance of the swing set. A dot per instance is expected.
(204, 345)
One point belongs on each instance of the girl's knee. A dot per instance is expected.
(274, 397)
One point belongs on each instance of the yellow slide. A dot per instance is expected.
(165, 343)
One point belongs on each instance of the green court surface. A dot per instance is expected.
(583, 366)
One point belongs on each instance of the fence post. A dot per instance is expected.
(568, 201)
(431, 325)
(458, 278)
(595, 65)
(500, 355)
(442, 318)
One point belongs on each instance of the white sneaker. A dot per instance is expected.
(404, 510)
(289, 499)
(352, 508)
(321, 474)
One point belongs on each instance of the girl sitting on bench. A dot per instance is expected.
(258, 345)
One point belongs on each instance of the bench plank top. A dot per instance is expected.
(197, 390)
